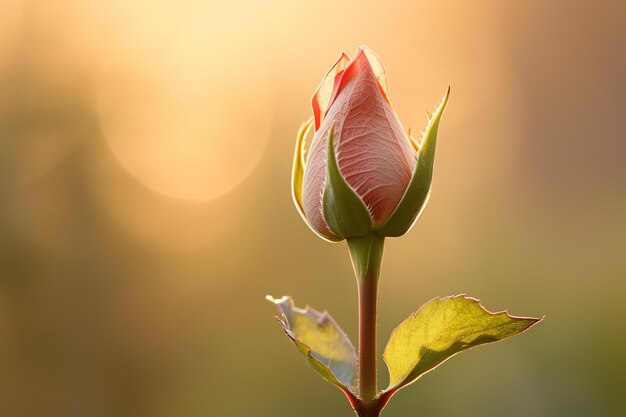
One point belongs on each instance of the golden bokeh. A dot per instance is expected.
(186, 106)
(145, 209)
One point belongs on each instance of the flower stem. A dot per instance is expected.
(366, 253)
(367, 338)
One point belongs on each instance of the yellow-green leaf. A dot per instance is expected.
(440, 329)
(321, 341)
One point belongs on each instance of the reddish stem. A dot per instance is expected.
(368, 297)
(366, 253)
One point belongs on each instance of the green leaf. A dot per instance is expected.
(317, 336)
(417, 192)
(440, 329)
(344, 212)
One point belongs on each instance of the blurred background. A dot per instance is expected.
(145, 209)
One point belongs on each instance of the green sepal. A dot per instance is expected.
(343, 210)
(417, 192)
(366, 253)
(317, 336)
(440, 329)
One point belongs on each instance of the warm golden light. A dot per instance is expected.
(145, 157)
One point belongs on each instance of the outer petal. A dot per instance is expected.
(374, 154)
(297, 176)
(324, 93)
(313, 188)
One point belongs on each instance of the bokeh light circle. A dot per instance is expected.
(187, 109)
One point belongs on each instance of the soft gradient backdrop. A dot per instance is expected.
(145, 210)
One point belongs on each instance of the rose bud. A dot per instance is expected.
(363, 174)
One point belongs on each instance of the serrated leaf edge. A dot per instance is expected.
(285, 326)
(392, 389)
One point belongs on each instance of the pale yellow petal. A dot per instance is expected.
(297, 173)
